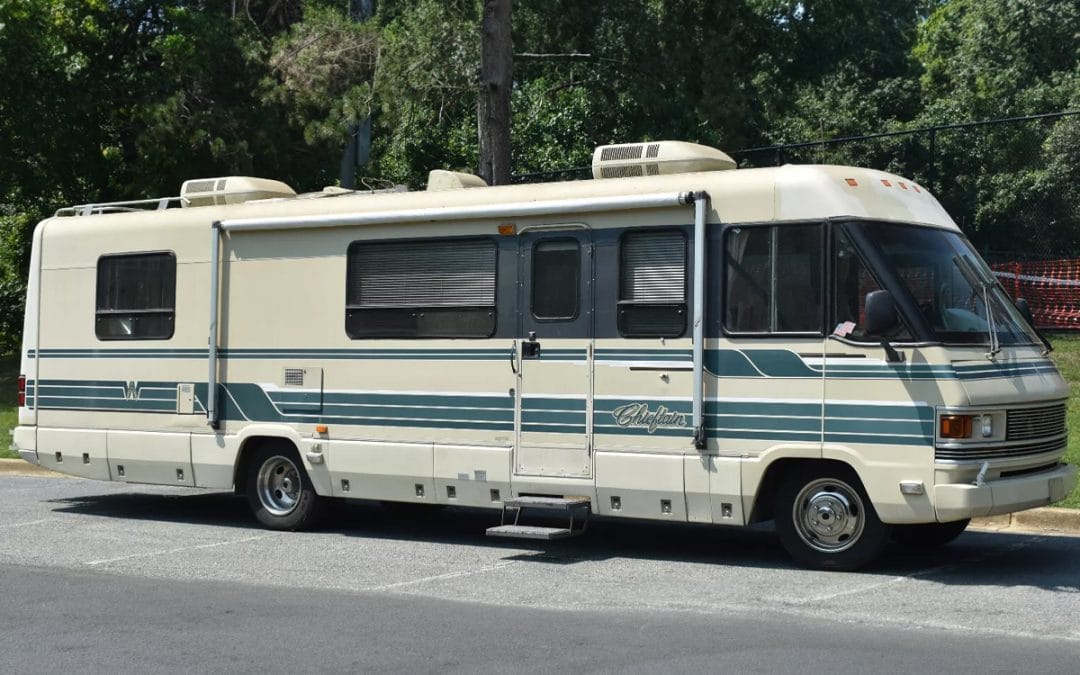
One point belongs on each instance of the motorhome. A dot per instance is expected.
(674, 340)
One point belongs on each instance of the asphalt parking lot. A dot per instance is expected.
(986, 588)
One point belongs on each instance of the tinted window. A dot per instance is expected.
(420, 289)
(774, 279)
(556, 278)
(851, 283)
(136, 296)
(652, 284)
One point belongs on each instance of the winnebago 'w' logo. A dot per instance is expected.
(131, 390)
(639, 415)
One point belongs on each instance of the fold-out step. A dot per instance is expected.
(548, 503)
(576, 509)
(529, 532)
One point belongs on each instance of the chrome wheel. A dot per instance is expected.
(828, 515)
(279, 485)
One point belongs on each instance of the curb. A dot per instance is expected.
(1047, 520)
(20, 467)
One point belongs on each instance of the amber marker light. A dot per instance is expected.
(852, 182)
(886, 183)
(508, 229)
(955, 426)
(321, 429)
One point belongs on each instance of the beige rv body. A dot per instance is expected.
(281, 333)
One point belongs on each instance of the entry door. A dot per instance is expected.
(555, 354)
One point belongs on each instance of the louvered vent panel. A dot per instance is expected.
(620, 171)
(654, 268)
(652, 151)
(621, 152)
(426, 274)
(294, 377)
(201, 186)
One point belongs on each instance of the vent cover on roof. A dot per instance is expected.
(231, 190)
(439, 179)
(657, 158)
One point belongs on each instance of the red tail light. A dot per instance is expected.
(22, 391)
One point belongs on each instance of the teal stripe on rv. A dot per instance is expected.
(754, 420)
(749, 363)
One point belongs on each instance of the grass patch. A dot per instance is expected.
(9, 414)
(1066, 355)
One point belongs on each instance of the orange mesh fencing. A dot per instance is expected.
(1051, 287)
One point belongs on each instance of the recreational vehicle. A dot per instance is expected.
(675, 340)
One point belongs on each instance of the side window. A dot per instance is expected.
(556, 278)
(652, 284)
(773, 279)
(421, 289)
(136, 296)
(851, 282)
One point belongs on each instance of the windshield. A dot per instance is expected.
(953, 288)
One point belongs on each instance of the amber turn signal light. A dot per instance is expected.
(956, 426)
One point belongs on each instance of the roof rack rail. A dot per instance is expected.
(160, 204)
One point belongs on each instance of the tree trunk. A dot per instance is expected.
(493, 106)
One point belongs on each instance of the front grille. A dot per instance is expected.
(984, 452)
(1024, 423)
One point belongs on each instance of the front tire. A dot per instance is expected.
(279, 491)
(825, 520)
(929, 535)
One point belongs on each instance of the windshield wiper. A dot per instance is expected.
(976, 281)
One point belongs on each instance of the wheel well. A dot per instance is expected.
(777, 472)
(248, 448)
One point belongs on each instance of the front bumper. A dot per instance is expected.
(955, 501)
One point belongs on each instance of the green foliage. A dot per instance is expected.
(113, 99)
(1066, 357)
(323, 69)
(985, 61)
(426, 90)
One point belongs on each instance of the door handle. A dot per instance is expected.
(530, 349)
(513, 356)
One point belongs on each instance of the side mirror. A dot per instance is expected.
(881, 315)
(1025, 311)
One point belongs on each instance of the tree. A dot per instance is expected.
(493, 105)
(1011, 186)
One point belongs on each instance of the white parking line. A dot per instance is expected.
(177, 550)
(439, 577)
(916, 575)
(32, 522)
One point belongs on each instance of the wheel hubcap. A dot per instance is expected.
(828, 515)
(279, 485)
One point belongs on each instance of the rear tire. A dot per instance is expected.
(928, 535)
(279, 491)
(825, 520)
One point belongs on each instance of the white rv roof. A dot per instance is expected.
(794, 192)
